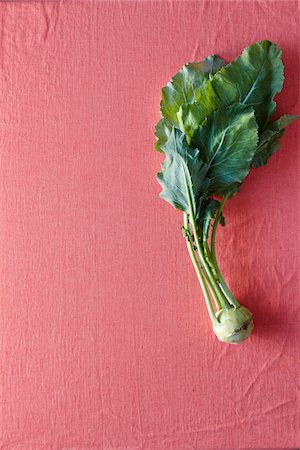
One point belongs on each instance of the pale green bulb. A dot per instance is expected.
(234, 325)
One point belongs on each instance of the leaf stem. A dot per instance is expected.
(199, 273)
(208, 259)
(212, 256)
(206, 269)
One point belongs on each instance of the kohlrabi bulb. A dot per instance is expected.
(234, 325)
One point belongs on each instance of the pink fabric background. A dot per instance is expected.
(105, 339)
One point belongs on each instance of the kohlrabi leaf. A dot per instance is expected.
(227, 142)
(182, 89)
(190, 116)
(184, 85)
(183, 176)
(253, 78)
(208, 211)
(162, 132)
(269, 140)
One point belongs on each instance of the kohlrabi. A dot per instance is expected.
(216, 125)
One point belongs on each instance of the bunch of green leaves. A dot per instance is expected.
(216, 124)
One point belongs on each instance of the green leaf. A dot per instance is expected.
(253, 78)
(269, 140)
(282, 122)
(190, 116)
(183, 176)
(184, 85)
(162, 132)
(227, 142)
(208, 211)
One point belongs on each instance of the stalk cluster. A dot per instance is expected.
(232, 323)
